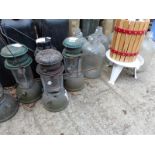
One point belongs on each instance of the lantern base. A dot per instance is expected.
(8, 107)
(55, 102)
(30, 95)
(74, 83)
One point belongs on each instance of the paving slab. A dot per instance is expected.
(128, 107)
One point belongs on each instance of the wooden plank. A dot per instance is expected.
(128, 37)
(123, 39)
(132, 41)
(118, 38)
(108, 25)
(73, 25)
(137, 41)
(145, 27)
(117, 21)
(125, 42)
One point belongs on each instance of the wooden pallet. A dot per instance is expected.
(128, 43)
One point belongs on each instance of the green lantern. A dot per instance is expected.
(8, 106)
(72, 53)
(18, 61)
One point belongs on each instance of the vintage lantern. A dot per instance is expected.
(18, 61)
(72, 53)
(8, 106)
(51, 69)
(43, 43)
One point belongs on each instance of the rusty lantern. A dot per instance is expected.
(51, 69)
(43, 43)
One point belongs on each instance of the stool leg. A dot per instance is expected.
(116, 70)
(135, 73)
(110, 64)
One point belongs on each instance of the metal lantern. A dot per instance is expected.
(18, 61)
(51, 69)
(8, 106)
(72, 53)
(43, 43)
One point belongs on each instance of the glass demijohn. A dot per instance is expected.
(101, 37)
(147, 50)
(94, 54)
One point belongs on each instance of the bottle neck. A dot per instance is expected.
(99, 30)
(78, 33)
(93, 40)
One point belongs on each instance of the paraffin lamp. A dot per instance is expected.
(43, 43)
(72, 53)
(8, 106)
(51, 69)
(17, 60)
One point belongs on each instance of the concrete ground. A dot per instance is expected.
(126, 108)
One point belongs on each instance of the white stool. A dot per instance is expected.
(118, 66)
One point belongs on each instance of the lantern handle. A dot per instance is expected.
(13, 39)
(5, 43)
(19, 32)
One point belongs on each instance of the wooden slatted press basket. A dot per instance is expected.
(127, 39)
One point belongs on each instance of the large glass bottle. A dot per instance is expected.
(94, 53)
(102, 38)
(147, 50)
(77, 33)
